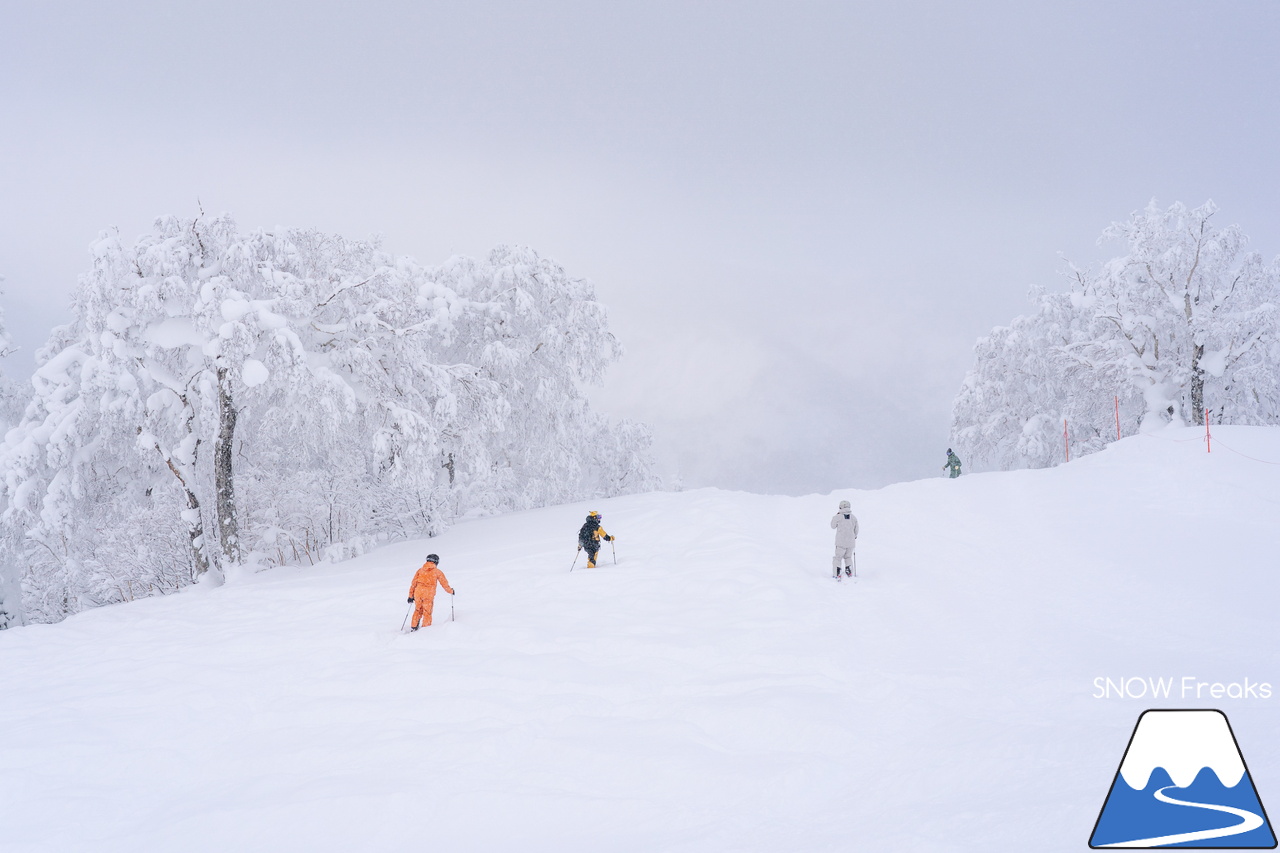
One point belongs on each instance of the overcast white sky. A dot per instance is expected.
(801, 215)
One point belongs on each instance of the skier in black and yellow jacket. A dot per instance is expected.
(590, 537)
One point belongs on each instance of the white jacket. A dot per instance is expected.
(846, 529)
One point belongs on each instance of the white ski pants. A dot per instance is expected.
(843, 555)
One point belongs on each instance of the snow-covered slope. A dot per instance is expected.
(713, 691)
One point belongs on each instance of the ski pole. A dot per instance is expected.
(855, 564)
(614, 548)
(451, 607)
(575, 559)
(406, 618)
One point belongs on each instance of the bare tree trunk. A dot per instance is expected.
(195, 521)
(1197, 386)
(195, 538)
(195, 525)
(228, 532)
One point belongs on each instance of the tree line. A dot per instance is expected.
(1184, 322)
(225, 399)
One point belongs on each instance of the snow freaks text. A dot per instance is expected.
(1186, 687)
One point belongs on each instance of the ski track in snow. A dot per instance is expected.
(711, 692)
(1248, 822)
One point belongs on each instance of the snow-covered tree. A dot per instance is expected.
(224, 398)
(1186, 320)
(541, 337)
(10, 393)
(10, 410)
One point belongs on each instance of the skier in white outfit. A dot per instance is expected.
(845, 524)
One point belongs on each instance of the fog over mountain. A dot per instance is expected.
(800, 217)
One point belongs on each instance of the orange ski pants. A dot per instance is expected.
(422, 607)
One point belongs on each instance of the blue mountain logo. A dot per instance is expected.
(1183, 783)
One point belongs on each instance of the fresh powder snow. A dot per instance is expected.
(714, 690)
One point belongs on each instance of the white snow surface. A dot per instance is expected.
(715, 690)
(1183, 743)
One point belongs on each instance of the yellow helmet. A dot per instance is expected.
(593, 514)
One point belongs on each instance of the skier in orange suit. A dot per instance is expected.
(423, 590)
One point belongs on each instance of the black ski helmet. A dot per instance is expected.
(433, 558)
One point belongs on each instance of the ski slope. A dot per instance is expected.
(713, 691)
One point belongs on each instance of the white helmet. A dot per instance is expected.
(844, 504)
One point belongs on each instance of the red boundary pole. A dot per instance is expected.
(1117, 417)
(1066, 448)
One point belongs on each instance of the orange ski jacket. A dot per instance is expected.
(425, 580)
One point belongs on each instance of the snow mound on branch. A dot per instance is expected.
(254, 373)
